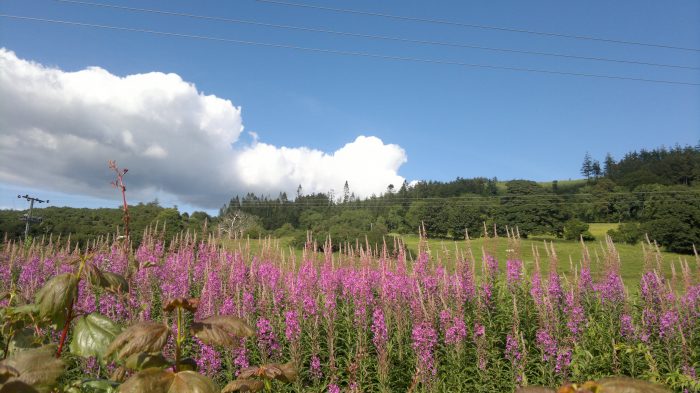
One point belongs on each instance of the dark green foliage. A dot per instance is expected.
(673, 219)
(658, 188)
(678, 165)
(531, 208)
(84, 224)
(575, 229)
(92, 334)
(629, 232)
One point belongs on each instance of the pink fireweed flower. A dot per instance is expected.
(30, 278)
(563, 361)
(292, 330)
(612, 290)
(480, 341)
(333, 388)
(208, 359)
(210, 295)
(466, 282)
(512, 348)
(554, 287)
(424, 340)
(536, 288)
(627, 329)
(228, 307)
(667, 324)
(267, 341)
(491, 266)
(248, 303)
(315, 367)
(487, 293)
(547, 344)
(456, 333)
(240, 358)
(576, 318)
(585, 279)
(479, 330)
(514, 272)
(380, 333)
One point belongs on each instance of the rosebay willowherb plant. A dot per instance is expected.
(196, 316)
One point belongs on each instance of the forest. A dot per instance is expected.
(649, 192)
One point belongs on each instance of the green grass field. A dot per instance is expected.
(569, 253)
(599, 230)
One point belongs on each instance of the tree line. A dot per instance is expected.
(654, 192)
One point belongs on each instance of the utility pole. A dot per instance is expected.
(28, 218)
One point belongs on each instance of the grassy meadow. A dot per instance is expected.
(569, 253)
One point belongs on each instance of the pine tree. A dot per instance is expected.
(587, 166)
(595, 169)
(346, 192)
(608, 165)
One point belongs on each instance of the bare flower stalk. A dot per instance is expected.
(119, 183)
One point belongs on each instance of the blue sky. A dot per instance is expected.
(450, 121)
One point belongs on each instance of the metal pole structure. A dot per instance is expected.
(31, 207)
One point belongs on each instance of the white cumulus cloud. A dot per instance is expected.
(58, 129)
(367, 164)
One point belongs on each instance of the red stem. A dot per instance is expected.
(64, 333)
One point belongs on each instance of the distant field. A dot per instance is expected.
(599, 230)
(501, 185)
(631, 256)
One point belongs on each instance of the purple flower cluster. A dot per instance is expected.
(627, 329)
(456, 331)
(547, 344)
(514, 272)
(315, 367)
(267, 340)
(424, 340)
(292, 329)
(380, 334)
(208, 359)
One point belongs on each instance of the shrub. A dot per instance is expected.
(629, 232)
(575, 229)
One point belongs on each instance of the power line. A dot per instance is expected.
(348, 53)
(475, 26)
(368, 36)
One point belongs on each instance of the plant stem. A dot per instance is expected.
(69, 317)
(64, 333)
(178, 339)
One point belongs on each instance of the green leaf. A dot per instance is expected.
(98, 386)
(192, 382)
(16, 386)
(92, 335)
(37, 367)
(148, 337)
(149, 380)
(109, 281)
(629, 385)
(54, 298)
(7, 372)
(26, 309)
(165, 381)
(220, 330)
(23, 339)
(141, 361)
(187, 364)
(243, 385)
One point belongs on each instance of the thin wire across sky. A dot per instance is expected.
(346, 53)
(366, 36)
